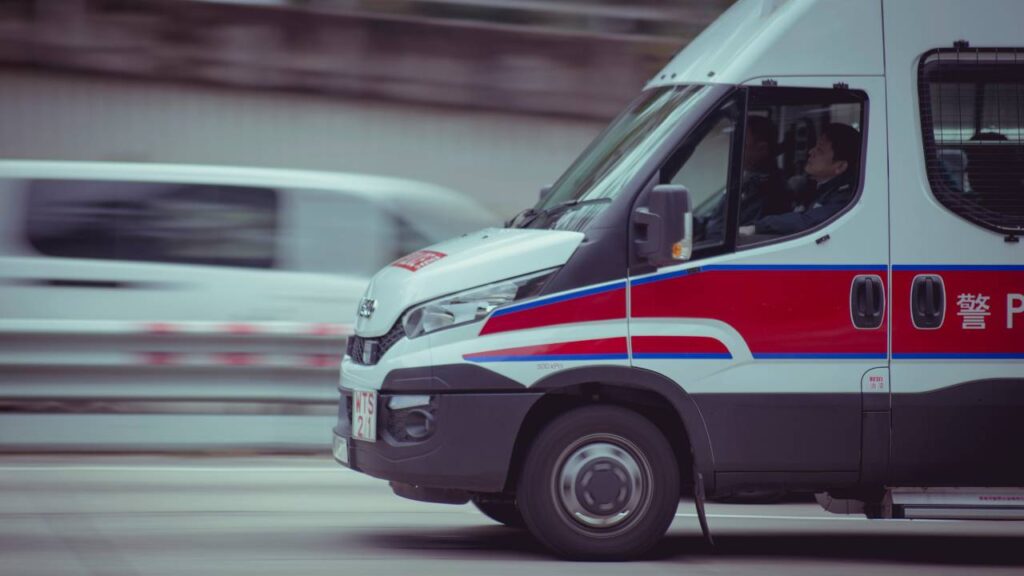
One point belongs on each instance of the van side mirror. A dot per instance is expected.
(544, 192)
(664, 228)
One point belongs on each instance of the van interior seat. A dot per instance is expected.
(954, 163)
(995, 170)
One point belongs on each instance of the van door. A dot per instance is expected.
(958, 266)
(772, 325)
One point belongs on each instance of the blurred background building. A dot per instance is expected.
(146, 308)
(492, 98)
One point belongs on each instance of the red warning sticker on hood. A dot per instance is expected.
(418, 259)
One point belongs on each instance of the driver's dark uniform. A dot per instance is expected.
(761, 193)
(831, 197)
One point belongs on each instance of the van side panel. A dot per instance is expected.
(957, 378)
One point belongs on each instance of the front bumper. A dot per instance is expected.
(470, 448)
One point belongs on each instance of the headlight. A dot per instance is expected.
(471, 305)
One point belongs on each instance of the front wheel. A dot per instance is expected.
(600, 482)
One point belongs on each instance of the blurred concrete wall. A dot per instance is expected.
(578, 58)
(493, 98)
(502, 159)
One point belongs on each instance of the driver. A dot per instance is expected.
(762, 190)
(833, 164)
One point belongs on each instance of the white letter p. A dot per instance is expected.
(1014, 305)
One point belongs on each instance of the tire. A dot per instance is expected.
(502, 511)
(599, 483)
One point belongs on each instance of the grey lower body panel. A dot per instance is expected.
(471, 448)
(785, 442)
(783, 432)
(965, 435)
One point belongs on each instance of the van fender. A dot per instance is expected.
(643, 379)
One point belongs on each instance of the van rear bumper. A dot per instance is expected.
(470, 448)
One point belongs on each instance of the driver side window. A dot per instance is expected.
(801, 161)
(703, 167)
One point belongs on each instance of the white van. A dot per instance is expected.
(793, 262)
(116, 242)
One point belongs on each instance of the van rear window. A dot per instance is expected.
(153, 222)
(972, 117)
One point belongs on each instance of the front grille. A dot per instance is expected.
(379, 346)
(345, 414)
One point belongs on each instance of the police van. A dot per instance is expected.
(793, 262)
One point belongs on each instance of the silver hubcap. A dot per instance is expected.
(603, 480)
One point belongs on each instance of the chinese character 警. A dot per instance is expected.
(973, 310)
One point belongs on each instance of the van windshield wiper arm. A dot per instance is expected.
(563, 207)
(526, 215)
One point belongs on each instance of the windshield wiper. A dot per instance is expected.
(526, 215)
(563, 207)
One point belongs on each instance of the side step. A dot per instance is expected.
(954, 503)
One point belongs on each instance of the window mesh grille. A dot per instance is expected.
(356, 344)
(972, 117)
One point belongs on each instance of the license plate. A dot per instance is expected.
(341, 449)
(364, 415)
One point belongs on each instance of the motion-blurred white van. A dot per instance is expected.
(104, 241)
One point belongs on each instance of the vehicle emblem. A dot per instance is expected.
(366, 307)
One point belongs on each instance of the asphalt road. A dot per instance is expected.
(306, 516)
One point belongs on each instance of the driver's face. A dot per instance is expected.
(821, 163)
(754, 150)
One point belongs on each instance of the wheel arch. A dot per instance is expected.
(652, 395)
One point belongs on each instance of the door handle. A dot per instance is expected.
(928, 301)
(867, 301)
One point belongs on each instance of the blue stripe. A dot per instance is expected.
(763, 268)
(820, 356)
(561, 298)
(547, 357)
(956, 267)
(960, 356)
(684, 355)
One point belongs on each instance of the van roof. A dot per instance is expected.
(758, 39)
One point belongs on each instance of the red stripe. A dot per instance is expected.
(322, 360)
(160, 328)
(159, 358)
(952, 337)
(241, 329)
(237, 358)
(325, 329)
(599, 346)
(678, 345)
(776, 311)
(610, 305)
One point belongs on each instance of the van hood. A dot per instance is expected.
(458, 264)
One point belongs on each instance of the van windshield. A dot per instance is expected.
(603, 170)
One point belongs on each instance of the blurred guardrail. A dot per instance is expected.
(153, 386)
